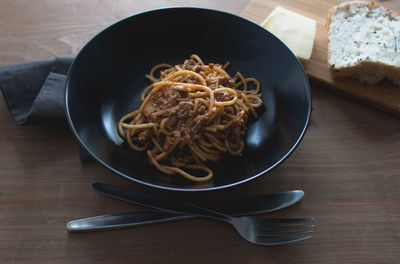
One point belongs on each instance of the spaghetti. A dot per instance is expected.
(191, 113)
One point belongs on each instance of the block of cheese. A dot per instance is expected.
(295, 30)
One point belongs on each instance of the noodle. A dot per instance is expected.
(191, 113)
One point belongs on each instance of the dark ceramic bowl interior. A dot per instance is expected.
(107, 78)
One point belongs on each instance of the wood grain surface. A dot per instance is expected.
(348, 164)
(384, 96)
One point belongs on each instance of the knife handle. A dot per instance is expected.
(115, 221)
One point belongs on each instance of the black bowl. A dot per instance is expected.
(107, 77)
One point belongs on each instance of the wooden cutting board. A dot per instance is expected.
(383, 96)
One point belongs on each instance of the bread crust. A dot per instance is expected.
(367, 72)
(369, 4)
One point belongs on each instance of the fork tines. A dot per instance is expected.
(286, 230)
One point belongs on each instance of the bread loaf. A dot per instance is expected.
(364, 42)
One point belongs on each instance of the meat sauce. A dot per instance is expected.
(179, 108)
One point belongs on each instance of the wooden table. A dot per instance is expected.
(348, 165)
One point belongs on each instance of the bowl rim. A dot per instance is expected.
(178, 189)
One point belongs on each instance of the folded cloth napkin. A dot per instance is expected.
(34, 93)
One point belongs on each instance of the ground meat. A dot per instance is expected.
(180, 158)
(163, 99)
(179, 114)
(226, 81)
(234, 142)
(199, 124)
(212, 82)
(188, 64)
(144, 136)
(180, 119)
(191, 65)
(196, 68)
(202, 110)
(191, 132)
(184, 110)
(232, 133)
(224, 96)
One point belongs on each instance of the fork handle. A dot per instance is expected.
(157, 201)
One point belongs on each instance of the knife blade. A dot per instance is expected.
(243, 206)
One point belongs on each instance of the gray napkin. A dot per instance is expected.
(34, 93)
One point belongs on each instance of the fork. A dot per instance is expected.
(254, 229)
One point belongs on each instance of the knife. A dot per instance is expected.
(243, 206)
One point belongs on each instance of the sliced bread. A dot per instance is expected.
(364, 42)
